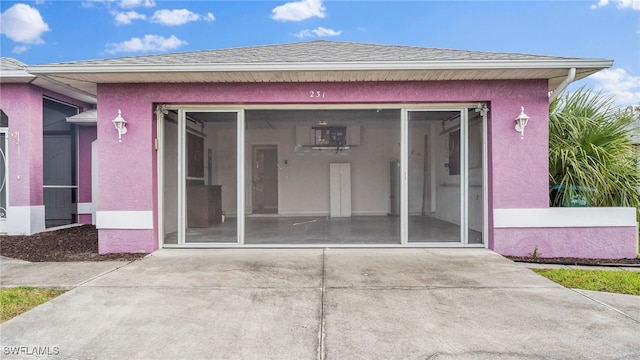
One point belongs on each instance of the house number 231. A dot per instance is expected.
(316, 94)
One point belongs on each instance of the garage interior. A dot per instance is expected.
(322, 176)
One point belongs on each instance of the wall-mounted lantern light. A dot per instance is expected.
(521, 122)
(121, 125)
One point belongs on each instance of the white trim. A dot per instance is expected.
(54, 69)
(323, 246)
(563, 217)
(25, 220)
(94, 180)
(369, 213)
(404, 177)
(89, 117)
(160, 172)
(58, 87)
(304, 213)
(485, 181)
(182, 187)
(240, 164)
(464, 175)
(4, 223)
(124, 219)
(444, 106)
(85, 208)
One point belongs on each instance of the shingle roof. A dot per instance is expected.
(11, 64)
(321, 51)
(318, 61)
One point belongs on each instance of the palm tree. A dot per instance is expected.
(591, 151)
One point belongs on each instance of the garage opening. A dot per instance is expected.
(309, 177)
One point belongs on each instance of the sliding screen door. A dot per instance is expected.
(200, 177)
(435, 177)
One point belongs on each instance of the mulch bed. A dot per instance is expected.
(578, 261)
(71, 244)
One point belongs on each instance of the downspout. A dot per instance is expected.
(563, 85)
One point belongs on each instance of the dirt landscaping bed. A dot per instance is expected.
(578, 261)
(78, 243)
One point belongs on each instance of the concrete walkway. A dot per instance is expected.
(325, 304)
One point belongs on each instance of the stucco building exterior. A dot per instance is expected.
(301, 145)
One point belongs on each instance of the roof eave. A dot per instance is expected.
(322, 66)
(15, 76)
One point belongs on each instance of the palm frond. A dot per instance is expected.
(591, 151)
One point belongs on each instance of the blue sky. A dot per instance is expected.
(49, 31)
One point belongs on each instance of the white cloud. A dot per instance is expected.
(20, 49)
(23, 23)
(318, 32)
(91, 3)
(146, 44)
(125, 18)
(178, 17)
(297, 11)
(623, 87)
(620, 4)
(137, 3)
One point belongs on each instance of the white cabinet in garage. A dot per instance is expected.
(340, 189)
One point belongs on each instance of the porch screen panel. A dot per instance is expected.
(210, 172)
(171, 178)
(476, 178)
(321, 176)
(434, 176)
(59, 164)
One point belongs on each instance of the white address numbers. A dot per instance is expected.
(316, 94)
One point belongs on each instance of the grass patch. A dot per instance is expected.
(15, 301)
(620, 282)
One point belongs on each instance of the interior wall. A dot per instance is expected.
(447, 186)
(222, 140)
(417, 193)
(476, 201)
(304, 172)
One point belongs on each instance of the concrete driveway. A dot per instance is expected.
(325, 304)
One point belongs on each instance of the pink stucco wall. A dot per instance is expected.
(23, 105)
(86, 135)
(587, 242)
(126, 241)
(127, 185)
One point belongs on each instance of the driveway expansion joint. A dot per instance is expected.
(606, 305)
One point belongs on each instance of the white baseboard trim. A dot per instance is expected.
(557, 217)
(304, 213)
(124, 220)
(25, 220)
(369, 213)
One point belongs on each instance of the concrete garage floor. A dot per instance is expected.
(326, 304)
(324, 230)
